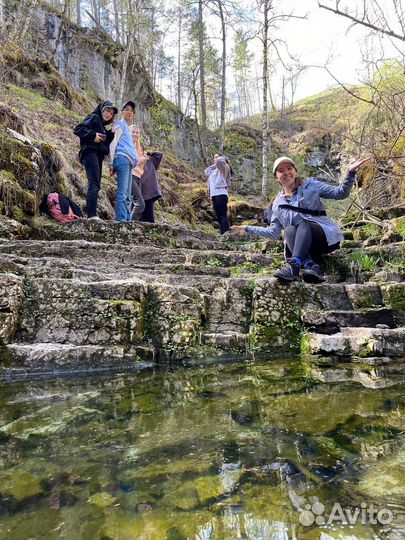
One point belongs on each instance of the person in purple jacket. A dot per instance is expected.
(150, 188)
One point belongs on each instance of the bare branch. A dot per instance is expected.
(364, 22)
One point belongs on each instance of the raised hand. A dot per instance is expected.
(353, 167)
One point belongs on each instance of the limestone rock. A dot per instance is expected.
(364, 342)
(11, 299)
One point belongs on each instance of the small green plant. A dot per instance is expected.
(363, 261)
(400, 227)
(213, 261)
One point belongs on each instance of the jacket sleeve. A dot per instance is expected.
(208, 170)
(86, 130)
(272, 232)
(223, 167)
(113, 145)
(156, 158)
(110, 136)
(327, 191)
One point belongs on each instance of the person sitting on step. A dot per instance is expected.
(298, 210)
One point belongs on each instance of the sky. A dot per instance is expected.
(322, 35)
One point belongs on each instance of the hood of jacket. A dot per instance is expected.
(98, 111)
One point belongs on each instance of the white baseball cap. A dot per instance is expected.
(283, 159)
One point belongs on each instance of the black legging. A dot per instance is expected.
(93, 162)
(306, 240)
(220, 203)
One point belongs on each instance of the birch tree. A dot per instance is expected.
(1, 15)
(223, 74)
(267, 4)
(203, 103)
(79, 12)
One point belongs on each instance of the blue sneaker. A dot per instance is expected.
(313, 274)
(290, 272)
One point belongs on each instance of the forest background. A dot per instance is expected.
(228, 65)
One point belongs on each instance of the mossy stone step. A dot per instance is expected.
(60, 357)
(364, 342)
(330, 322)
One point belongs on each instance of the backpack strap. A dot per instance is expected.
(303, 210)
(64, 203)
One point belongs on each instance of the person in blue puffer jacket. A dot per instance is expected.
(298, 210)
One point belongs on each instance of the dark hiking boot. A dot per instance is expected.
(290, 272)
(313, 274)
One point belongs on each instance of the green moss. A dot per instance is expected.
(163, 114)
(16, 201)
(399, 226)
(15, 157)
(394, 296)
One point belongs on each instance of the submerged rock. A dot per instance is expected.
(48, 421)
(28, 479)
(385, 477)
(103, 499)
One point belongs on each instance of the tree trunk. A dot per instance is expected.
(265, 118)
(95, 11)
(61, 28)
(178, 100)
(200, 139)
(223, 78)
(128, 49)
(272, 104)
(152, 50)
(117, 21)
(78, 12)
(23, 20)
(1, 17)
(202, 70)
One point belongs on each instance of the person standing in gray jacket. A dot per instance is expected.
(298, 210)
(219, 174)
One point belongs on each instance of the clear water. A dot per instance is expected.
(236, 451)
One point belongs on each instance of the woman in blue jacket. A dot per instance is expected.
(95, 137)
(298, 210)
(123, 158)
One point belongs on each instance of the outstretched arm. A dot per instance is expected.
(272, 232)
(327, 191)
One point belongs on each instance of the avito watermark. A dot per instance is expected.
(366, 514)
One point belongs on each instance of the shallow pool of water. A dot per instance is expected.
(245, 450)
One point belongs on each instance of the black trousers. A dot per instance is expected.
(307, 240)
(148, 215)
(93, 162)
(138, 204)
(220, 203)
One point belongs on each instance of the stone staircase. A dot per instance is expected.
(101, 295)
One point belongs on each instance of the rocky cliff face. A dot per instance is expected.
(89, 59)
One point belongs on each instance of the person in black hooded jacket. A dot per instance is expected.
(95, 137)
